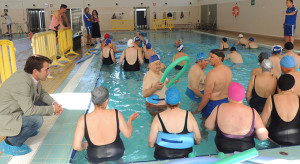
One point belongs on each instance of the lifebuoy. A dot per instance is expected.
(235, 11)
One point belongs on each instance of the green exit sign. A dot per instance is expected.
(252, 2)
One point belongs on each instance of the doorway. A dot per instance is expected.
(36, 20)
(141, 17)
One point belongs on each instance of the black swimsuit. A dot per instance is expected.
(109, 152)
(256, 101)
(108, 60)
(168, 153)
(228, 143)
(135, 66)
(282, 132)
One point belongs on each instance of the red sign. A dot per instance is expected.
(154, 4)
(51, 5)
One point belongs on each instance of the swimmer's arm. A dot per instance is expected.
(150, 89)
(210, 122)
(261, 132)
(122, 58)
(153, 132)
(115, 49)
(196, 130)
(78, 136)
(221, 47)
(249, 90)
(141, 58)
(247, 45)
(266, 113)
(126, 128)
(101, 55)
(237, 43)
(113, 56)
(227, 57)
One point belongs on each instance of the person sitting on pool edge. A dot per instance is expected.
(261, 57)
(132, 58)
(107, 53)
(232, 120)
(224, 45)
(179, 54)
(282, 111)
(177, 123)
(216, 85)
(261, 86)
(148, 52)
(242, 41)
(196, 78)
(234, 56)
(251, 44)
(102, 128)
(288, 66)
(153, 89)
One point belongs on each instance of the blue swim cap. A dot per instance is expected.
(251, 39)
(269, 53)
(153, 58)
(136, 39)
(224, 39)
(111, 37)
(180, 47)
(276, 49)
(148, 46)
(172, 96)
(288, 62)
(107, 41)
(201, 56)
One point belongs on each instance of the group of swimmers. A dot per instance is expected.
(220, 102)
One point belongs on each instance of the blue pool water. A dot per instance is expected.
(126, 88)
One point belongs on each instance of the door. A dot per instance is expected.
(36, 20)
(141, 18)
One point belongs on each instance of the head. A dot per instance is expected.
(180, 48)
(276, 50)
(63, 8)
(236, 92)
(108, 42)
(232, 49)
(251, 39)
(38, 67)
(5, 14)
(216, 56)
(262, 56)
(177, 43)
(241, 36)
(106, 36)
(267, 65)
(137, 40)
(289, 3)
(148, 46)
(100, 97)
(130, 43)
(286, 82)
(86, 10)
(95, 12)
(172, 98)
(287, 64)
(202, 60)
(138, 33)
(224, 40)
(289, 46)
(154, 63)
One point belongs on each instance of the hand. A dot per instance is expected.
(133, 116)
(58, 109)
(195, 112)
(84, 145)
(159, 85)
(283, 12)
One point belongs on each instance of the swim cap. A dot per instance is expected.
(130, 43)
(267, 65)
(107, 41)
(262, 56)
(236, 91)
(276, 49)
(148, 46)
(269, 54)
(251, 39)
(288, 62)
(232, 49)
(111, 37)
(180, 47)
(219, 53)
(136, 39)
(289, 46)
(224, 39)
(172, 96)
(241, 35)
(286, 82)
(154, 58)
(106, 36)
(201, 56)
(99, 95)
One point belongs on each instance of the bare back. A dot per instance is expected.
(287, 106)
(276, 65)
(149, 53)
(106, 51)
(131, 55)
(265, 85)
(178, 55)
(235, 57)
(221, 77)
(196, 78)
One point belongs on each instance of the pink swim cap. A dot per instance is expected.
(236, 91)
